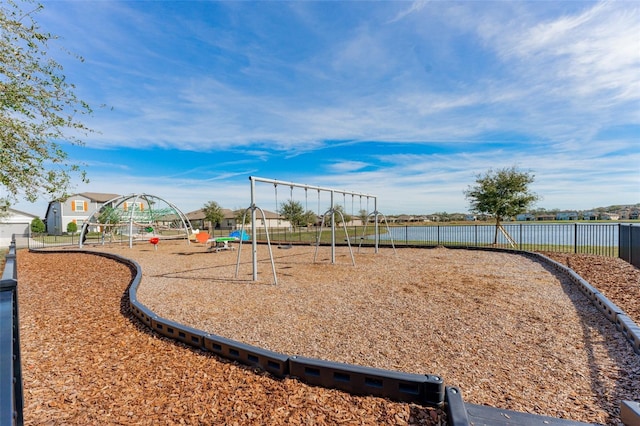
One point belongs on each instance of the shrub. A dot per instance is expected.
(72, 227)
(37, 226)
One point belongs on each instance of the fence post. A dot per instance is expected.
(631, 258)
(575, 237)
(520, 239)
(438, 243)
(475, 230)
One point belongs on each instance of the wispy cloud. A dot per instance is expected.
(406, 100)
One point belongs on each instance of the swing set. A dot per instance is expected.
(333, 212)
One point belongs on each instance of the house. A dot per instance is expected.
(567, 216)
(229, 221)
(14, 223)
(76, 208)
(525, 217)
(198, 220)
(590, 216)
(271, 220)
(404, 218)
(609, 216)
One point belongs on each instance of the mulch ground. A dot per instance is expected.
(87, 360)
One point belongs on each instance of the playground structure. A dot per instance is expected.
(331, 212)
(138, 217)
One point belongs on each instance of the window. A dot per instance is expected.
(136, 207)
(79, 206)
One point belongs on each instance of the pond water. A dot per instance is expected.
(565, 234)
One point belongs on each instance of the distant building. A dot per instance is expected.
(77, 208)
(525, 217)
(14, 223)
(198, 221)
(567, 216)
(609, 216)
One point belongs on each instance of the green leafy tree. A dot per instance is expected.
(37, 226)
(38, 107)
(364, 216)
(293, 212)
(72, 228)
(309, 218)
(240, 214)
(110, 216)
(213, 214)
(338, 217)
(501, 193)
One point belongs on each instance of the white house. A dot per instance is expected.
(15, 223)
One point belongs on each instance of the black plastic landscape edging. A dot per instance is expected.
(427, 390)
(11, 391)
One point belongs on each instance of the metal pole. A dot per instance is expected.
(333, 231)
(254, 241)
(377, 231)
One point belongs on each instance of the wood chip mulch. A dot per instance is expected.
(473, 317)
(87, 361)
(618, 280)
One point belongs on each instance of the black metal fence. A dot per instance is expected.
(630, 244)
(11, 398)
(600, 238)
(605, 239)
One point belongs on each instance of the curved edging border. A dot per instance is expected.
(427, 389)
(610, 310)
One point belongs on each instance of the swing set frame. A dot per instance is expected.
(332, 211)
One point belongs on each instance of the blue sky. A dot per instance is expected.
(405, 100)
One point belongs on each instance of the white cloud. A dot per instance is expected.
(347, 166)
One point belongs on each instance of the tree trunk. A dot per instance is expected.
(495, 237)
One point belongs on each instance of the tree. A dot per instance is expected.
(309, 218)
(213, 214)
(337, 210)
(37, 226)
(38, 107)
(501, 193)
(239, 215)
(364, 216)
(293, 212)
